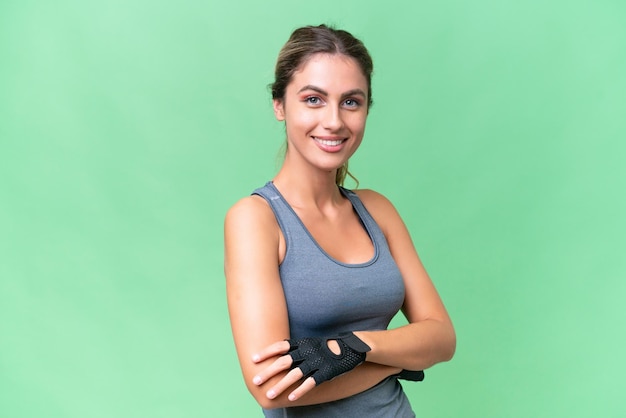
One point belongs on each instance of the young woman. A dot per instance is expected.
(316, 272)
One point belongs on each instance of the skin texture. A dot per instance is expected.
(326, 100)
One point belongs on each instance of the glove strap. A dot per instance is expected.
(354, 342)
(411, 375)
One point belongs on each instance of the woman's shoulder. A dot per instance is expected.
(374, 201)
(252, 209)
(380, 207)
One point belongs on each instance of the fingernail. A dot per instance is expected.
(256, 358)
(257, 380)
(292, 397)
(271, 394)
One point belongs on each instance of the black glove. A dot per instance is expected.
(412, 375)
(316, 360)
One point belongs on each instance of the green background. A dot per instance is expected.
(127, 129)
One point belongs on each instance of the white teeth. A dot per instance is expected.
(329, 142)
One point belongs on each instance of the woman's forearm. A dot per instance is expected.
(363, 377)
(416, 346)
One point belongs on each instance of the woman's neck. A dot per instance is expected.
(308, 188)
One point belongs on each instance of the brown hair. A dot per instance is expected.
(307, 41)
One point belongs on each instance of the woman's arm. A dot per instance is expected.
(258, 311)
(429, 338)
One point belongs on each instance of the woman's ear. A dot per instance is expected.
(279, 109)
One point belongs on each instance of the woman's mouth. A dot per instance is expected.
(329, 142)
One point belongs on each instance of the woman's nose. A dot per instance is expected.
(332, 118)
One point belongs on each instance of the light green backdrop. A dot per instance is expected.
(127, 128)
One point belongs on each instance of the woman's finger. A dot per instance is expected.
(280, 364)
(307, 385)
(290, 378)
(272, 350)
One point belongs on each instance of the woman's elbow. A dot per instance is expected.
(259, 396)
(448, 347)
(259, 393)
(267, 403)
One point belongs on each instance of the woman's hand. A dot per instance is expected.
(283, 362)
(316, 358)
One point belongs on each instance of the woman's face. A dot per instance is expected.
(324, 109)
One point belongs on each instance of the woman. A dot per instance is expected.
(316, 272)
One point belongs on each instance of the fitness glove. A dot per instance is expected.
(316, 360)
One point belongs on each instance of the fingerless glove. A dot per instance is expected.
(316, 360)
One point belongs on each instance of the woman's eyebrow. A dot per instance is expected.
(314, 88)
(353, 92)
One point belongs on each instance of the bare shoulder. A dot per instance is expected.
(369, 196)
(251, 239)
(250, 227)
(381, 208)
(250, 210)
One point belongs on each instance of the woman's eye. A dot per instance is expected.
(312, 100)
(351, 103)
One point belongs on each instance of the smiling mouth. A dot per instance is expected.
(330, 142)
